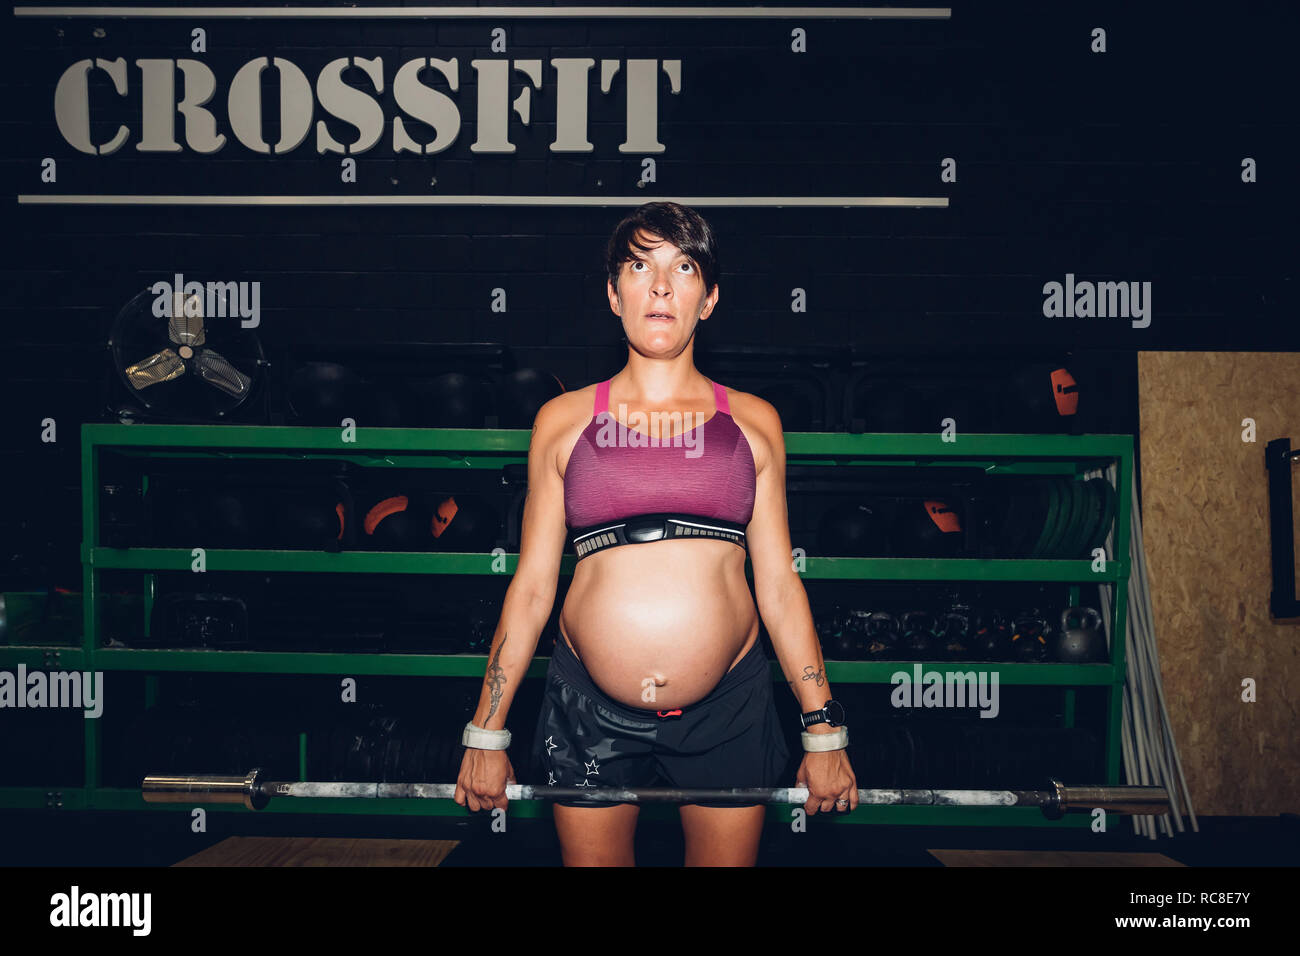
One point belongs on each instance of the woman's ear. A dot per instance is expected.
(710, 303)
(612, 291)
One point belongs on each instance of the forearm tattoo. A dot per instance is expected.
(496, 679)
(816, 675)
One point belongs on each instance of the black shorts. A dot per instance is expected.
(730, 738)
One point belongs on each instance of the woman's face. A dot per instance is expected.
(661, 280)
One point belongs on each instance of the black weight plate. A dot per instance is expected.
(437, 748)
(392, 758)
(1021, 517)
(450, 747)
(339, 737)
(415, 761)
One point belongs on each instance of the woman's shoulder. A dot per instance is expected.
(759, 423)
(751, 409)
(565, 415)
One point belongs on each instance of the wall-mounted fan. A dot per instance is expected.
(185, 357)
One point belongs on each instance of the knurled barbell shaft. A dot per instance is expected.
(254, 792)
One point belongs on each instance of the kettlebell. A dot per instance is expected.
(992, 638)
(920, 640)
(881, 631)
(851, 642)
(1029, 635)
(1080, 640)
(954, 625)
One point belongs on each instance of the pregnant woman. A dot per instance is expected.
(666, 480)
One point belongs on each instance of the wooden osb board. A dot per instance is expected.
(321, 851)
(1205, 508)
(1048, 858)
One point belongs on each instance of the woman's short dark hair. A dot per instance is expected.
(681, 225)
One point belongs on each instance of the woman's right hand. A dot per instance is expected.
(483, 778)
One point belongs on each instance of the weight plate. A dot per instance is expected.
(1043, 527)
(1108, 509)
(1031, 514)
(1091, 516)
(1091, 521)
(1070, 530)
(1057, 519)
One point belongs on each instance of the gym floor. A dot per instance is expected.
(77, 839)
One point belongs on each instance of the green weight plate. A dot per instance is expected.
(1090, 518)
(1108, 502)
(1064, 517)
(1072, 492)
(1073, 537)
(1051, 519)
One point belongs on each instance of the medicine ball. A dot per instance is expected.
(451, 400)
(310, 518)
(1046, 397)
(522, 394)
(853, 530)
(397, 523)
(463, 522)
(216, 518)
(929, 529)
(325, 393)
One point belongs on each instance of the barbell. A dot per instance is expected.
(255, 793)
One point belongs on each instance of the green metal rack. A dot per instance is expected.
(492, 449)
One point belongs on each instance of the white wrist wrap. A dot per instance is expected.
(481, 739)
(837, 739)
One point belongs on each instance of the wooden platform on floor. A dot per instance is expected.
(1048, 858)
(321, 851)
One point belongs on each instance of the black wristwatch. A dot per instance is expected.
(832, 713)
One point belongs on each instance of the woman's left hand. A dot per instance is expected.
(830, 781)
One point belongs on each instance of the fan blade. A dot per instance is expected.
(185, 327)
(216, 370)
(157, 368)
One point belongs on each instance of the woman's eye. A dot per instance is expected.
(638, 262)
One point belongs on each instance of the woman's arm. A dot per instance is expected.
(782, 600)
(783, 605)
(531, 593)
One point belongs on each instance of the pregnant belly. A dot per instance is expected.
(657, 625)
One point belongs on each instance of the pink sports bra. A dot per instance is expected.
(615, 472)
